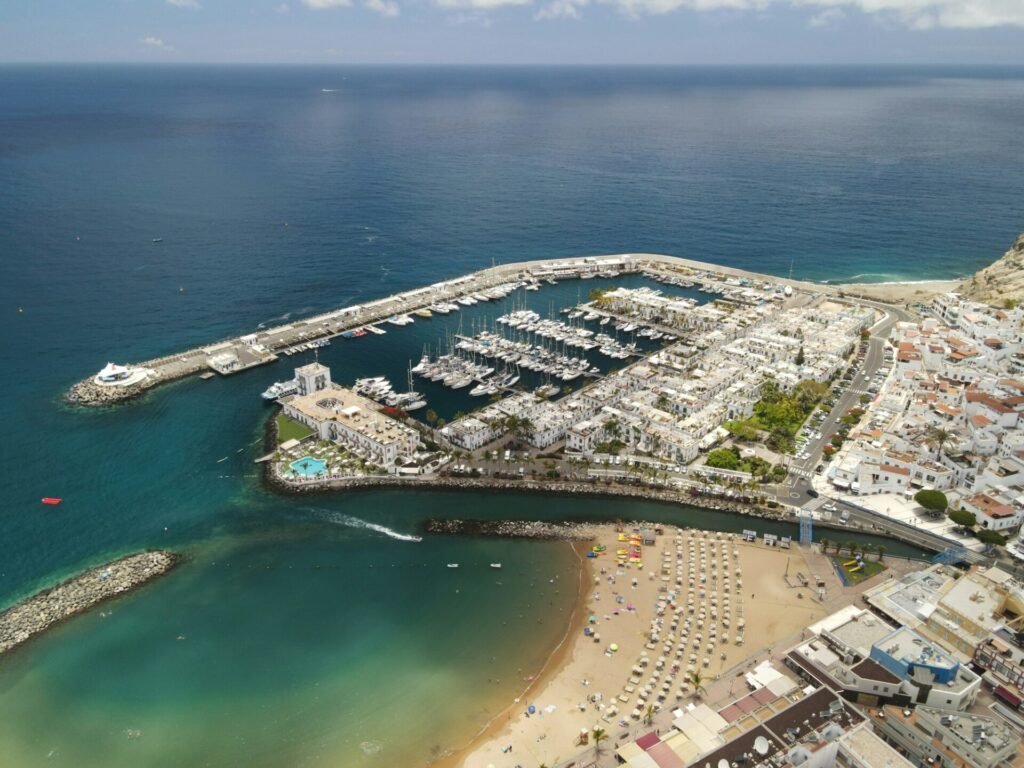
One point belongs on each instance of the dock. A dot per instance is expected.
(231, 356)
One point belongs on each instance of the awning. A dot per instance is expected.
(1008, 696)
(648, 740)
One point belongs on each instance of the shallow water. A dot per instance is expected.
(275, 200)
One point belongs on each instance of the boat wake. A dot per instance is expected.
(354, 522)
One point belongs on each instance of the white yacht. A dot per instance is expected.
(280, 389)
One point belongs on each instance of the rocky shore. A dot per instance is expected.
(80, 593)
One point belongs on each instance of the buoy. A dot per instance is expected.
(21, 310)
(181, 289)
(51, 500)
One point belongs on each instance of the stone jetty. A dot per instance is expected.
(80, 593)
(513, 529)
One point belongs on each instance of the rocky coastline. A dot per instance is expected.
(51, 606)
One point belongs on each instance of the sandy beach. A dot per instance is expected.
(900, 293)
(638, 634)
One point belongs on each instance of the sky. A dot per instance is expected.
(665, 32)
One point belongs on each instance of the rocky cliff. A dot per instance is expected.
(999, 282)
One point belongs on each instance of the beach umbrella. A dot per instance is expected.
(531, 709)
(613, 647)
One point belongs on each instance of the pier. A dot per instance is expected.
(230, 356)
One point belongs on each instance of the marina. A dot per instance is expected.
(266, 345)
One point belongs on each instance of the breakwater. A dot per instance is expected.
(509, 529)
(526, 485)
(43, 610)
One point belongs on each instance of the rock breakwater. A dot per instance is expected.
(88, 392)
(80, 593)
(514, 529)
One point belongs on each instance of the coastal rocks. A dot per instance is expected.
(514, 529)
(568, 488)
(88, 392)
(1001, 282)
(53, 605)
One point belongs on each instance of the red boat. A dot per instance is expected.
(52, 501)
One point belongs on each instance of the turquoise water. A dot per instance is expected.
(319, 628)
(308, 466)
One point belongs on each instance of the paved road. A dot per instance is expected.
(794, 490)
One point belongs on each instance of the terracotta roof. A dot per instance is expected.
(989, 506)
(893, 469)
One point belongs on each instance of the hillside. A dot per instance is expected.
(1001, 281)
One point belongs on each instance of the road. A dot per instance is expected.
(795, 489)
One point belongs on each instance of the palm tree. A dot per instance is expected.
(824, 544)
(649, 714)
(696, 681)
(939, 437)
(599, 734)
(881, 552)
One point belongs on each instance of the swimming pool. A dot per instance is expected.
(308, 466)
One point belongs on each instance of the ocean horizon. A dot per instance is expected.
(310, 625)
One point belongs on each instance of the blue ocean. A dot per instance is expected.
(324, 630)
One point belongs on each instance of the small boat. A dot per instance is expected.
(453, 565)
(51, 501)
(495, 565)
(158, 239)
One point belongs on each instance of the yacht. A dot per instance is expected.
(280, 389)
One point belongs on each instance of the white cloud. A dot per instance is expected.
(561, 9)
(156, 42)
(194, 4)
(282, 8)
(927, 14)
(914, 14)
(481, 5)
(827, 18)
(386, 8)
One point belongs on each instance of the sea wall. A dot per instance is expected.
(80, 593)
(527, 485)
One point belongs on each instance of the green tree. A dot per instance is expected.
(963, 518)
(599, 735)
(881, 552)
(648, 714)
(723, 458)
(986, 536)
(932, 500)
(431, 416)
(800, 358)
(939, 437)
(696, 681)
(742, 430)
